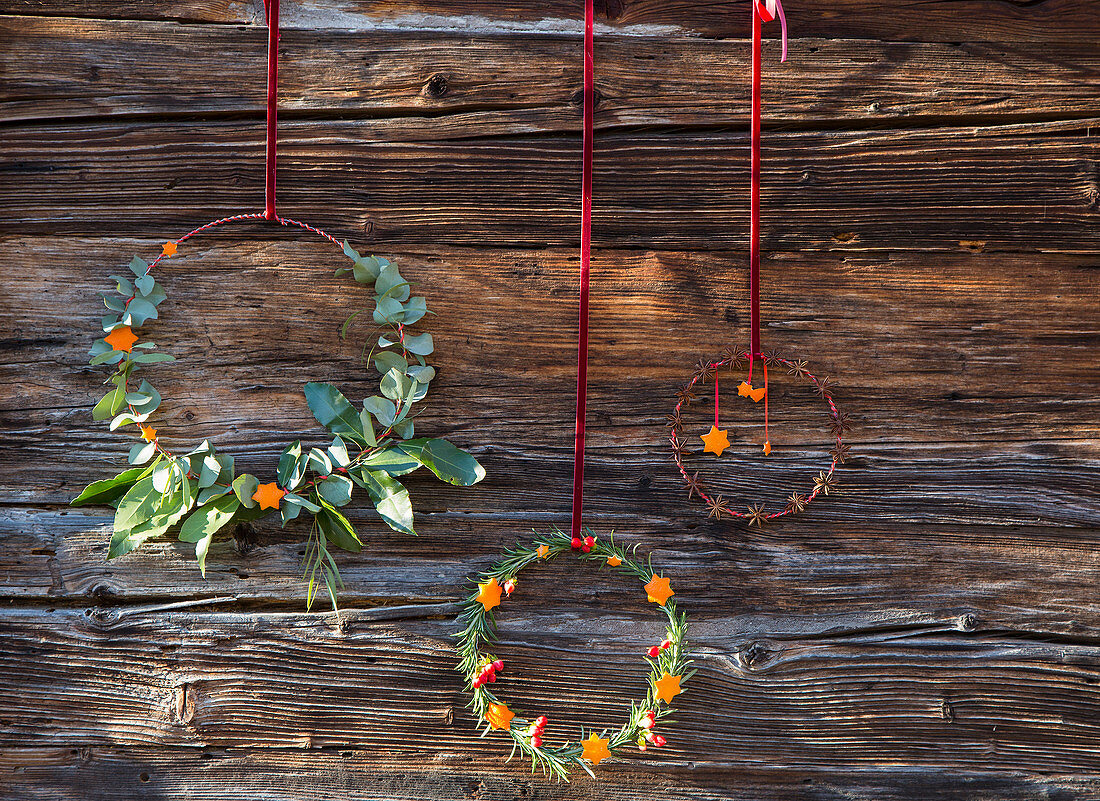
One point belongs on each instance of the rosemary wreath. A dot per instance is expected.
(371, 448)
(667, 660)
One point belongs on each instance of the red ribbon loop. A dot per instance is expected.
(768, 11)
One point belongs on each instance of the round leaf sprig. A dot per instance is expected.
(668, 661)
(371, 447)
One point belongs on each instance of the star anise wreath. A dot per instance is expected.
(718, 507)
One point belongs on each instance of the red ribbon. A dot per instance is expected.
(271, 7)
(586, 247)
(762, 11)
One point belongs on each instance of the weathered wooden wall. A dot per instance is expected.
(932, 197)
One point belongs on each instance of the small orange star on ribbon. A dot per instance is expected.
(543, 551)
(659, 590)
(595, 749)
(169, 249)
(148, 433)
(667, 687)
(121, 338)
(268, 496)
(614, 561)
(745, 390)
(488, 594)
(715, 441)
(500, 716)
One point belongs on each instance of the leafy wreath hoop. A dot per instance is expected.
(667, 661)
(201, 490)
(716, 441)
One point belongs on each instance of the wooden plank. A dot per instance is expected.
(68, 68)
(1030, 188)
(928, 699)
(937, 20)
(142, 774)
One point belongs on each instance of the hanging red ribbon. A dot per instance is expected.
(586, 247)
(762, 11)
(271, 7)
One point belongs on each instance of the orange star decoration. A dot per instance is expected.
(148, 433)
(122, 338)
(667, 687)
(543, 551)
(614, 561)
(767, 447)
(499, 716)
(595, 749)
(489, 594)
(658, 590)
(169, 249)
(268, 495)
(745, 390)
(715, 441)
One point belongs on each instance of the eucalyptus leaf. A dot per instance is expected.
(138, 266)
(383, 410)
(334, 411)
(390, 284)
(338, 452)
(107, 490)
(451, 464)
(142, 452)
(244, 487)
(390, 498)
(420, 344)
(386, 360)
(338, 529)
(152, 358)
(141, 310)
(335, 489)
(298, 500)
(292, 466)
(204, 522)
(145, 284)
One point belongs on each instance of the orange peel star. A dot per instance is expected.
(614, 561)
(499, 716)
(767, 447)
(543, 551)
(268, 496)
(488, 594)
(658, 590)
(121, 338)
(666, 688)
(595, 749)
(169, 249)
(148, 433)
(745, 390)
(715, 441)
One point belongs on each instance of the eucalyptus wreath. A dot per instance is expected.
(667, 660)
(371, 447)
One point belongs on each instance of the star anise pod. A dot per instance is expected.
(732, 355)
(685, 395)
(797, 368)
(841, 423)
(773, 356)
(824, 387)
(704, 370)
(757, 516)
(796, 503)
(695, 487)
(718, 508)
(824, 483)
(839, 452)
(675, 421)
(679, 447)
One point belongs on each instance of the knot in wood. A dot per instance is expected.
(755, 655)
(968, 622)
(436, 86)
(577, 98)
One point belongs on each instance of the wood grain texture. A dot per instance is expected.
(1031, 188)
(931, 209)
(69, 68)
(934, 21)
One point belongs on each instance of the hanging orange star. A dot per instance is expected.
(148, 433)
(667, 687)
(595, 749)
(659, 590)
(614, 561)
(488, 594)
(268, 496)
(543, 551)
(745, 390)
(169, 249)
(122, 338)
(767, 447)
(500, 716)
(715, 441)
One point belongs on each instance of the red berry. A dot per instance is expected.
(589, 540)
(492, 678)
(666, 644)
(509, 586)
(498, 665)
(576, 542)
(658, 740)
(536, 741)
(541, 721)
(654, 651)
(478, 681)
(646, 723)
(642, 745)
